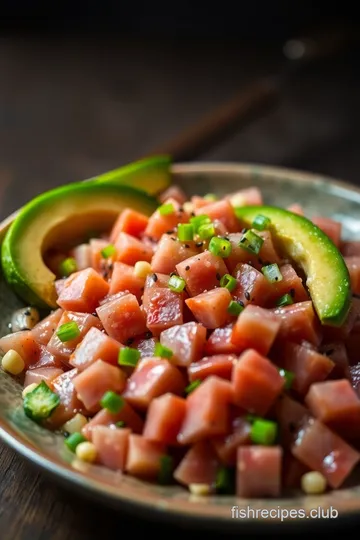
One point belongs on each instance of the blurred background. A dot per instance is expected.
(88, 86)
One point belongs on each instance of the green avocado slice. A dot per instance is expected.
(327, 276)
(58, 219)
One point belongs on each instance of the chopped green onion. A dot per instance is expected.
(73, 440)
(176, 284)
(166, 209)
(166, 470)
(288, 376)
(197, 221)
(185, 232)
(261, 222)
(251, 242)
(206, 231)
(220, 246)
(120, 424)
(162, 351)
(225, 480)
(128, 356)
(263, 432)
(67, 267)
(235, 308)
(40, 402)
(191, 387)
(228, 282)
(210, 197)
(272, 273)
(108, 251)
(112, 402)
(251, 418)
(285, 300)
(68, 331)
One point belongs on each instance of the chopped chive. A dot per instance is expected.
(272, 273)
(108, 251)
(263, 432)
(251, 242)
(166, 209)
(40, 402)
(220, 247)
(197, 221)
(166, 470)
(112, 402)
(185, 232)
(176, 284)
(210, 197)
(162, 351)
(235, 308)
(285, 300)
(67, 267)
(207, 230)
(261, 222)
(228, 282)
(68, 331)
(128, 356)
(191, 387)
(73, 440)
(120, 424)
(288, 376)
(225, 480)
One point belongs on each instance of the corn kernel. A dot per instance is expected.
(200, 489)
(86, 451)
(313, 483)
(13, 363)
(75, 424)
(142, 269)
(29, 388)
(188, 207)
(237, 200)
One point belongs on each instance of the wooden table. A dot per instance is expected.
(71, 108)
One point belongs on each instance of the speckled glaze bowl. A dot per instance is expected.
(280, 187)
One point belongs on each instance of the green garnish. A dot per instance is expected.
(120, 424)
(235, 308)
(162, 351)
(128, 356)
(210, 197)
(67, 267)
(197, 221)
(285, 300)
(272, 273)
(166, 470)
(166, 209)
(68, 331)
(176, 284)
(41, 402)
(185, 232)
(112, 402)
(263, 432)
(73, 440)
(228, 282)
(251, 242)
(108, 251)
(191, 387)
(289, 377)
(220, 247)
(261, 223)
(206, 231)
(225, 480)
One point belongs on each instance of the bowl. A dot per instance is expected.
(45, 449)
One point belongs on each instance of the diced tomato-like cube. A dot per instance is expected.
(83, 291)
(219, 341)
(170, 252)
(201, 272)
(289, 414)
(159, 224)
(164, 418)
(105, 418)
(123, 279)
(207, 411)
(252, 285)
(223, 211)
(211, 308)
(322, 450)
(122, 318)
(256, 328)
(226, 446)
(69, 402)
(48, 360)
(330, 227)
(257, 383)
(299, 323)
(24, 344)
(129, 221)
(186, 342)
(144, 457)
(220, 365)
(259, 471)
(353, 265)
(44, 329)
(111, 446)
(154, 281)
(47, 374)
(130, 250)
(173, 192)
(151, 378)
(95, 346)
(290, 283)
(164, 309)
(198, 466)
(92, 383)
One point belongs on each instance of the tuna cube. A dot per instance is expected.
(159, 223)
(111, 446)
(330, 227)
(256, 328)
(23, 343)
(219, 341)
(198, 466)
(122, 318)
(220, 365)
(290, 283)
(83, 291)
(226, 446)
(144, 457)
(252, 285)
(44, 329)
(130, 222)
(223, 211)
(123, 279)
(47, 374)
(95, 346)
(290, 414)
(164, 309)
(211, 308)
(69, 402)
(131, 250)
(201, 272)
(170, 252)
(259, 470)
(299, 323)
(186, 342)
(127, 415)
(164, 419)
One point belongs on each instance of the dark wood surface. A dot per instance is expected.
(74, 107)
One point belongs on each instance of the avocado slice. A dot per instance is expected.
(327, 276)
(59, 219)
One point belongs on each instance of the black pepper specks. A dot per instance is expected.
(199, 244)
(247, 295)
(155, 278)
(187, 268)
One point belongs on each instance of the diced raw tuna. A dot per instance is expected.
(207, 411)
(186, 342)
(98, 262)
(330, 227)
(145, 346)
(289, 414)
(41, 374)
(111, 446)
(323, 450)
(226, 446)
(240, 255)
(83, 291)
(164, 309)
(164, 419)
(307, 365)
(353, 265)
(350, 249)
(92, 383)
(47, 360)
(144, 457)
(198, 202)
(219, 341)
(293, 470)
(122, 318)
(170, 252)
(198, 466)
(256, 328)
(173, 192)
(223, 211)
(211, 308)
(154, 281)
(257, 383)
(336, 351)
(296, 209)
(151, 378)
(105, 418)
(259, 471)
(84, 321)
(299, 323)
(290, 283)
(252, 285)
(23, 343)
(44, 329)
(123, 279)
(82, 256)
(69, 402)
(59, 284)
(201, 272)
(95, 346)
(220, 365)
(246, 197)
(336, 404)
(130, 250)
(129, 221)
(160, 224)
